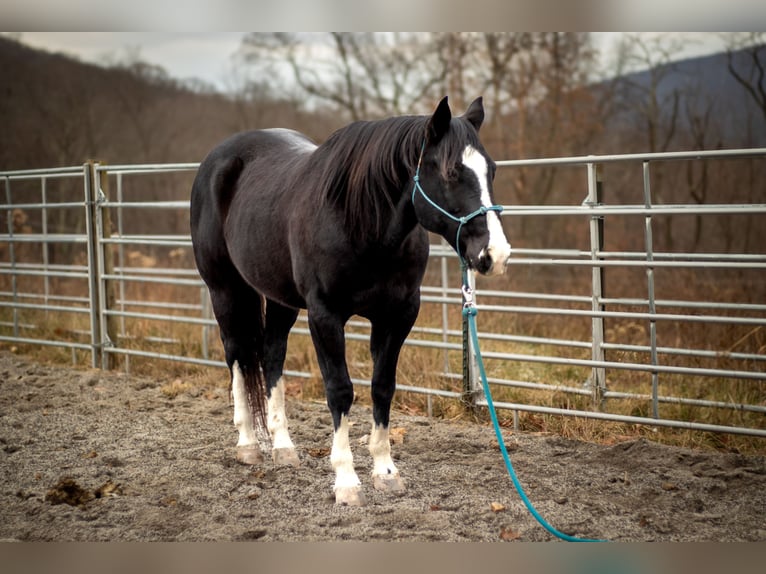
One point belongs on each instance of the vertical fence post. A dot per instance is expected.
(92, 249)
(121, 264)
(45, 244)
(12, 257)
(594, 199)
(104, 266)
(650, 288)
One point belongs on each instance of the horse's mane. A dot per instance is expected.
(362, 167)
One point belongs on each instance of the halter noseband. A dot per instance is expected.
(460, 220)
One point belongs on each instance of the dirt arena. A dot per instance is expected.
(93, 456)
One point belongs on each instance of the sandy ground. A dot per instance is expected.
(93, 456)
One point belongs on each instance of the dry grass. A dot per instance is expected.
(421, 367)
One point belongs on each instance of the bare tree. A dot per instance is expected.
(752, 80)
(657, 107)
(653, 99)
(534, 84)
(536, 87)
(246, 94)
(700, 118)
(363, 75)
(749, 70)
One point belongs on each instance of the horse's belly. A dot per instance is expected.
(271, 281)
(284, 294)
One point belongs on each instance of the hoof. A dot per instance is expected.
(350, 496)
(249, 455)
(388, 483)
(285, 457)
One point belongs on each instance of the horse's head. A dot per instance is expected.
(453, 193)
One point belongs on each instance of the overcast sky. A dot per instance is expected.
(203, 55)
(207, 55)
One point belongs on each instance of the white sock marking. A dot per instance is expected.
(380, 449)
(243, 418)
(341, 458)
(276, 419)
(498, 247)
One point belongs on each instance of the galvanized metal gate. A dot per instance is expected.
(109, 299)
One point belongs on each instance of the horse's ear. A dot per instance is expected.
(475, 113)
(438, 125)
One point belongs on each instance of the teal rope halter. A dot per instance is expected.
(460, 220)
(469, 312)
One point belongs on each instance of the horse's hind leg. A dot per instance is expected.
(389, 330)
(238, 310)
(279, 321)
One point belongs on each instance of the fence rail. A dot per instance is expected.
(655, 380)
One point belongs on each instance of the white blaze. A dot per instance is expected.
(498, 247)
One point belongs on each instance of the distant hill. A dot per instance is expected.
(705, 87)
(56, 110)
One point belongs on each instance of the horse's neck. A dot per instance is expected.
(401, 223)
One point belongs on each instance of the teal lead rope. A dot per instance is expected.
(469, 311)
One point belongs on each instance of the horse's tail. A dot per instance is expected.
(238, 308)
(248, 353)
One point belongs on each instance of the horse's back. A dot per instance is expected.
(235, 199)
(242, 154)
(255, 154)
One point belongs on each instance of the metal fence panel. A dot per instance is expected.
(140, 297)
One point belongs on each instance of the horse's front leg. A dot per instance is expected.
(389, 330)
(327, 334)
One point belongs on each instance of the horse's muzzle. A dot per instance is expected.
(493, 259)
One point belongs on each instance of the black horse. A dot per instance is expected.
(279, 224)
